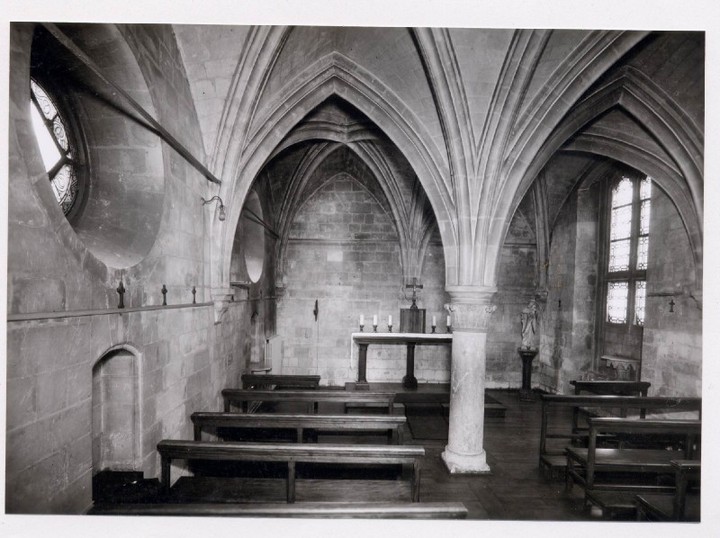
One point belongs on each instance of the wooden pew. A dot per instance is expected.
(311, 397)
(390, 424)
(595, 468)
(291, 454)
(617, 388)
(279, 381)
(610, 388)
(681, 506)
(374, 510)
(554, 460)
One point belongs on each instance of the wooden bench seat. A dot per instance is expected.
(390, 424)
(598, 468)
(419, 510)
(279, 381)
(553, 459)
(233, 397)
(681, 505)
(616, 388)
(291, 454)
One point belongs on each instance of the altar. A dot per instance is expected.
(363, 340)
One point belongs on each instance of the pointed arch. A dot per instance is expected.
(664, 120)
(659, 115)
(331, 75)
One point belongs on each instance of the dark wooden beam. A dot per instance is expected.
(66, 42)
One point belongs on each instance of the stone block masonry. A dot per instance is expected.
(344, 252)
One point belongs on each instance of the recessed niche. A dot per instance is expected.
(253, 237)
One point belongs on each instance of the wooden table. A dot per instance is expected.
(363, 340)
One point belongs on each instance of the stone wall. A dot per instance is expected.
(344, 252)
(184, 357)
(672, 340)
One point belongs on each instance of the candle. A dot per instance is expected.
(389, 320)
(374, 320)
(448, 321)
(433, 323)
(362, 319)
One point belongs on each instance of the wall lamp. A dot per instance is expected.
(221, 215)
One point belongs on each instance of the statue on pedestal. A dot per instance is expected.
(529, 320)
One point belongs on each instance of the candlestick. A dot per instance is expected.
(389, 320)
(433, 321)
(374, 320)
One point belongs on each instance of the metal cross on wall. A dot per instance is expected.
(415, 286)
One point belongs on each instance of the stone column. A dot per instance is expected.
(470, 310)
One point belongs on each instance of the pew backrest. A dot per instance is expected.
(300, 423)
(373, 510)
(291, 454)
(617, 388)
(311, 397)
(623, 403)
(633, 460)
(280, 381)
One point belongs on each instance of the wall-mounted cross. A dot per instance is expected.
(164, 292)
(672, 305)
(415, 286)
(121, 291)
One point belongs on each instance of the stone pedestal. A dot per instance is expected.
(527, 356)
(470, 310)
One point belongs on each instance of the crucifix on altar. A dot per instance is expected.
(412, 320)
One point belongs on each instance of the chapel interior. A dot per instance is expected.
(188, 204)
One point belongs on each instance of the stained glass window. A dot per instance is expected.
(617, 299)
(640, 302)
(55, 147)
(619, 255)
(628, 242)
(622, 194)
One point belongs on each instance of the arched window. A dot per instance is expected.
(624, 270)
(629, 236)
(58, 150)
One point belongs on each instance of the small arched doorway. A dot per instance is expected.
(115, 412)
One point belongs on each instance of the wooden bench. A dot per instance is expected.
(232, 397)
(680, 506)
(278, 381)
(597, 468)
(610, 388)
(555, 460)
(291, 454)
(616, 388)
(390, 424)
(374, 510)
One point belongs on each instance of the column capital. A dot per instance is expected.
(471, 294)
(471, 307)
(221, 297)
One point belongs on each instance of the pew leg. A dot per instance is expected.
(415, 484)
(291, 482)
(568, 477)
(165, 474)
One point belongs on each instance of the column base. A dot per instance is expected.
(465, 463)
(410, 382)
